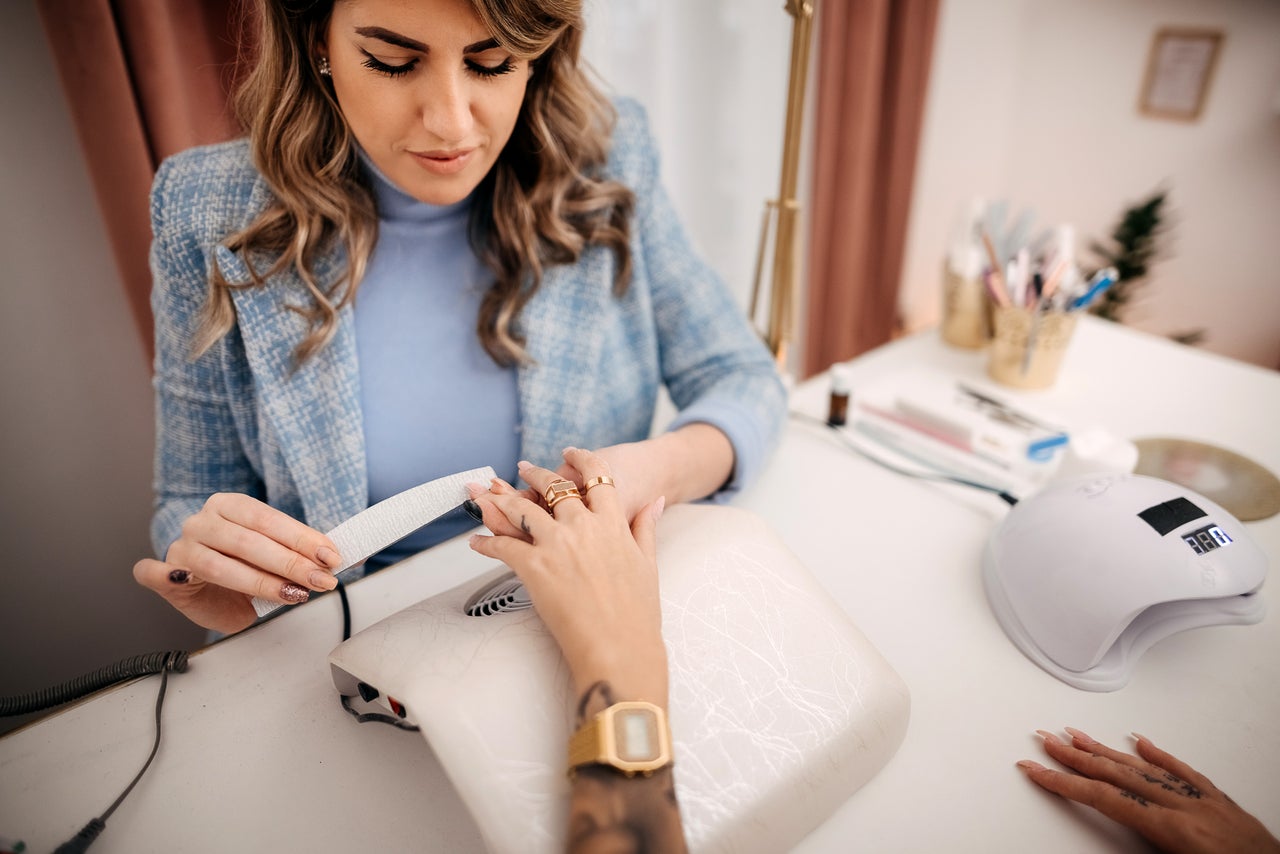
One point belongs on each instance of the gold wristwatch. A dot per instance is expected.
(631, 736)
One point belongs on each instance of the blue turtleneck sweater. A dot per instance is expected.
(433, 401)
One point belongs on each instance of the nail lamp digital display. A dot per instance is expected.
(1089, 573)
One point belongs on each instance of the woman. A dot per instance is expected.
(438, 248)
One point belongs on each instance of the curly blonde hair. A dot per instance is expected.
(541, 204)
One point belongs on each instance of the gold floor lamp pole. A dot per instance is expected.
(784, 210)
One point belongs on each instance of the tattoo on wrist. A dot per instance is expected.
(596, 698)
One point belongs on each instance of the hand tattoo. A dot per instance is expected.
(1125, 793)
(524, 526)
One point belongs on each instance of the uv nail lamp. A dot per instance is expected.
(780, 708)
(1087, 574)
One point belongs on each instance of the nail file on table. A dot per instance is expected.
(374, 528)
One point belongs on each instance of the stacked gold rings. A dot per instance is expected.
(558, 491)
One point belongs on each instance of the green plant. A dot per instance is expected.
(1135, 241)
(1134, 244)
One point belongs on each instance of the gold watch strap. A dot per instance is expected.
(597, 741)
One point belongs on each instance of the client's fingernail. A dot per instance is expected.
(1028, 765)
(474, 489)
(659, 506)
(524, 464)
(1048, 736)
(473, 510)
(568, 449)
(1080, 736)
(293, 593)
(1140, 737)
(322, 580)
(328, 557)
(179, 576)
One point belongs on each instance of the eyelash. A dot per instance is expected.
(393, 71)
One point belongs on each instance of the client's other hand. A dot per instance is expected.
(1161, 797)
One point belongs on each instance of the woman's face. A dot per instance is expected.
(426, 90)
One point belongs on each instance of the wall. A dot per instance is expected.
(1035, 101)
(713, 78)
(76, 425)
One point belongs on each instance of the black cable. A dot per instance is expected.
(129, 668)
(82, 840)
(346, 610)
(362, 717)
(940, 476)
(74, 689)
(373, 717)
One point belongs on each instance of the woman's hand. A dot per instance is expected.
(235, 549)
(682, 465)
(1166, 800)
(591, 576)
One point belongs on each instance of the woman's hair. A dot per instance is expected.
(541, 204)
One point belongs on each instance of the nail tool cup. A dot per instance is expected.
(1028, 345)
(966, 310)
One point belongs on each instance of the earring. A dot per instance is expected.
(324, 68)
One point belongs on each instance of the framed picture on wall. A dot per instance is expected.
(1179, 70)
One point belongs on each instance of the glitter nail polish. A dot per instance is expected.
(293, 593)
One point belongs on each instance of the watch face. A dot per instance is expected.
(637, 731)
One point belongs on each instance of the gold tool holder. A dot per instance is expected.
(783, 211)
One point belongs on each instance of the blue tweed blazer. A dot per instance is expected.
(238, 419)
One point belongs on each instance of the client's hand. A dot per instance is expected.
(682, 465)
(235, 549)
(591, 577)
(1166, 800)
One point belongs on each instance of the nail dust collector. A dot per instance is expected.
(780, 708)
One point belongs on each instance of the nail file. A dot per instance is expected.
(374, 528)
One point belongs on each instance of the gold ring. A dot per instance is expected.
(559, 490)
(602, 480)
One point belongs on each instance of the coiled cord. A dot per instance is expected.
(129, 668)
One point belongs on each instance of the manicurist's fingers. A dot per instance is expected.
(214, 567)
(209, 540)
(204, 604)
(255, 515)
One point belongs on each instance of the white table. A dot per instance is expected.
(258, 756)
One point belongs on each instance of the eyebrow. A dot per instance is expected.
(394, 38)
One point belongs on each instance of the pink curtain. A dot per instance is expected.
(144, 79)
(873, 71)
